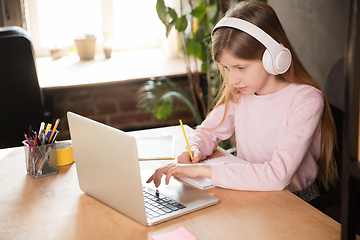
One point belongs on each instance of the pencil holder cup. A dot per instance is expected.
(40, 160)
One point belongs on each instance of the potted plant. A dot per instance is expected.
(86, 46)
(195, 28)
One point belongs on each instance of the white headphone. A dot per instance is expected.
(276, 58)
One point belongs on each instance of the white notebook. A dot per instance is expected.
(156, 148)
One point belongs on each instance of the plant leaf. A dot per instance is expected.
(200, 34)
(161, 10)
(194, 48)
(181, 23)
(186, 101)
(169, 27)
(199, 12)
(204, 66)
(173, 14)
(164, 110)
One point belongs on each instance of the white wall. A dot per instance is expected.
(317, 30)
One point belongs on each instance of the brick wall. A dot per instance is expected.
(111, 104)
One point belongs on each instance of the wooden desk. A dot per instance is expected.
(54, 207)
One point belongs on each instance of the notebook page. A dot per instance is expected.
(155, 148)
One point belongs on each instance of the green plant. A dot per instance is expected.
(194, 25)
(162, 97)
(88, 35)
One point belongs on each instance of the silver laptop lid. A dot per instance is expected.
(107, 165)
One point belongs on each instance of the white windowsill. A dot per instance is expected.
(122, 66)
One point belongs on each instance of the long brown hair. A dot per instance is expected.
(246, 47)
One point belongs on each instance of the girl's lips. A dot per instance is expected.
(242, 89)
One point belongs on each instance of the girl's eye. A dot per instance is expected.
(241, 68)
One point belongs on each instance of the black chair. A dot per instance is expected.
(21, 99)
(329, 202)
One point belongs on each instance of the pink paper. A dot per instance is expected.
(179, 234)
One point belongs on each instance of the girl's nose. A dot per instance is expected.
(234, 80)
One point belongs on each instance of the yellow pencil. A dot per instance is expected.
(187, 142)
(54, 129)
(48, 126)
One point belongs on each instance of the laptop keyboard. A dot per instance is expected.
(158, 205)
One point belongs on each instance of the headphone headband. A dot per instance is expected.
(280, 56)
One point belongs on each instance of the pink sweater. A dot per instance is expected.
(279, 135)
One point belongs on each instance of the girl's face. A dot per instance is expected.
(248, 76)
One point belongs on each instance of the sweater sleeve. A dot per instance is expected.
(276, 173)
(207, 135)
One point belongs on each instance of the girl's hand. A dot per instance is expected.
(185, 158)
(179, 170)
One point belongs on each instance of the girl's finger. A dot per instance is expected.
(196, 159)
(184, 158)
(169, 174)
(150, 179)
(160, 172)
(157, 177)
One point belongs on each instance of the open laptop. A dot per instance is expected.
(108, 169)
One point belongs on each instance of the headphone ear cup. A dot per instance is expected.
(282, 61)
(268, 63)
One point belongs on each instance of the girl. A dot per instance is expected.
(281, 118)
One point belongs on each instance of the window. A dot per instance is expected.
(137, 27)
(127, 25)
